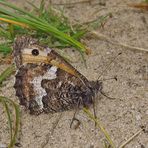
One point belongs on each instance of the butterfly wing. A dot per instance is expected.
(50, 89)
(46, 82)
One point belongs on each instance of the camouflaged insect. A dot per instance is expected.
(45, 82)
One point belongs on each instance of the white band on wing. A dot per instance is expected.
(49, 75)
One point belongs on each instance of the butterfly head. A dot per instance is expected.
(27, 51)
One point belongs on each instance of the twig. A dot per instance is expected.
(142, 5)
(130, 139)
(105, 38)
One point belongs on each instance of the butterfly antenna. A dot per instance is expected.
(113, 78)
(109, 65)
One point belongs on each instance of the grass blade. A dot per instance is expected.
(5, 49)
(17, 119)
(5, 74)
(41, 24)
(9, 116)
(100, 126)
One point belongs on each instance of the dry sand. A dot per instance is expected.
(123, 116)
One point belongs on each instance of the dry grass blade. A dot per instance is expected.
(73, 3)
(143, 5)
(100, 126)
(130, 139)
(109, 40)
(14, 22)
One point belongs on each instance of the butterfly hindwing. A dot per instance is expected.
(44, 87)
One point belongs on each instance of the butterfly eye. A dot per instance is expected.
(35, 52)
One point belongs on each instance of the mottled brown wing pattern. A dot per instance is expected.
(44, 87)
(66, 92)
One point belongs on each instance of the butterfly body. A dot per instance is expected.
(44, 87)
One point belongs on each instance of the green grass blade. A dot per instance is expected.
(42, 6)
(17, 120)
(5, 74)
(11, 30)
(5, 49)
(18, 9)
(43, 24)
(34, 6)
(8, 115)
(79, 34)
(48, 29)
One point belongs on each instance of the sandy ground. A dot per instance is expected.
(123, 116)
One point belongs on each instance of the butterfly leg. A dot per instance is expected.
(94, 110)
(74, 117)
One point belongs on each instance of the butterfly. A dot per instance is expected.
(46, 82)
